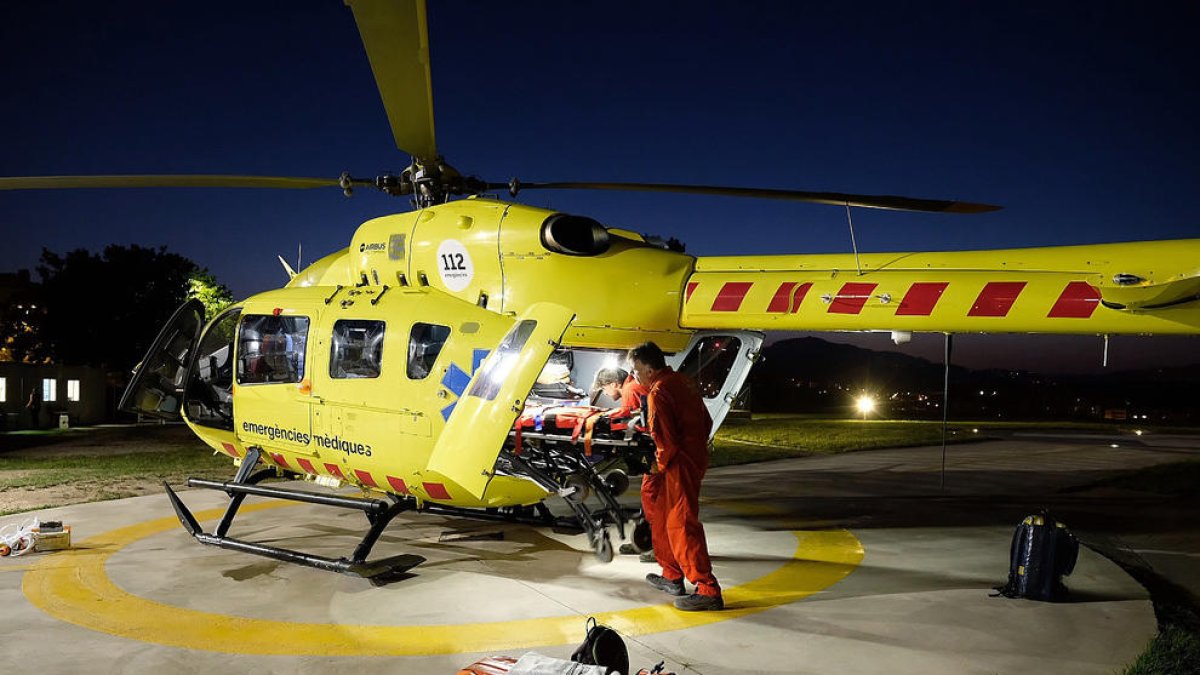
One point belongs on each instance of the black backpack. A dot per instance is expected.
(1043, 552)
(603, 646)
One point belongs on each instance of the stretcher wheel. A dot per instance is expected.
(603, 547)
(641, 539)
(582, 490)
(617, 482)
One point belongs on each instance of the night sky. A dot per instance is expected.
(1078, 118)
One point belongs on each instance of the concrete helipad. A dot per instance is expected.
(804, 592)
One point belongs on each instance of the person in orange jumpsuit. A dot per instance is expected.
(622, 387)
(680, 425)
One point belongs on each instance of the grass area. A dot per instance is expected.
(47, 472)
(1174, 651)
(781, 436)
(1176, 648)
(50, 468)
(1124, 427)
(1177, 479)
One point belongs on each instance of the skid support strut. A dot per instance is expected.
(379, 513)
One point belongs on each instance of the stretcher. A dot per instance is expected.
(587, 424)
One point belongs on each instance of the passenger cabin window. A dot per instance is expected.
(710, 361)
(271, 349)
(425, 342)
(73, 390)
(500, 364)
(209, 395)
(357, 349)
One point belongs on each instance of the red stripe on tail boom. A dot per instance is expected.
(921, 298)
(852, 298)
(996, 298)
(783, 297)
(730, 297)
(1077, 301)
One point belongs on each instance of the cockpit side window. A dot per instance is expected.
(425, 342)
(271, 349)
(210, 390)
(357, 349)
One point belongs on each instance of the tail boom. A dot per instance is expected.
(1134, 288)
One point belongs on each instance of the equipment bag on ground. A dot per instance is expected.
(604, 647)
(1043, 552)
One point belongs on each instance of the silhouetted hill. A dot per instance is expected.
(808, 374)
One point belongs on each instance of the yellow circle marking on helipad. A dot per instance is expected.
(74, 587)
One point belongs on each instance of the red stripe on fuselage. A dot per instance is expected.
(398, 485)
(334, 470)
(690, 287)
(436, 491)
(306, 465)
(365, 478)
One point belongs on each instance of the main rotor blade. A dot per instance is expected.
(835, 198)
(183, 180)
(396, 37)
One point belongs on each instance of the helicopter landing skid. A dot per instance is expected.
(378, 511)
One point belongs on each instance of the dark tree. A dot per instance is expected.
(20, 316)
(104, 310)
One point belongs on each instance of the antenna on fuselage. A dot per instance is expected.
(853, 242)
(287, 268)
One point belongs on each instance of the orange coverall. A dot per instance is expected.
(680, 425)
(632, 394)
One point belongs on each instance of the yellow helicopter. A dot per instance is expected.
(421, 364)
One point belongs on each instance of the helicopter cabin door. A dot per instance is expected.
(157, 387)
(720, 363)
(272, 370)
(388, 371)
(466, 451)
